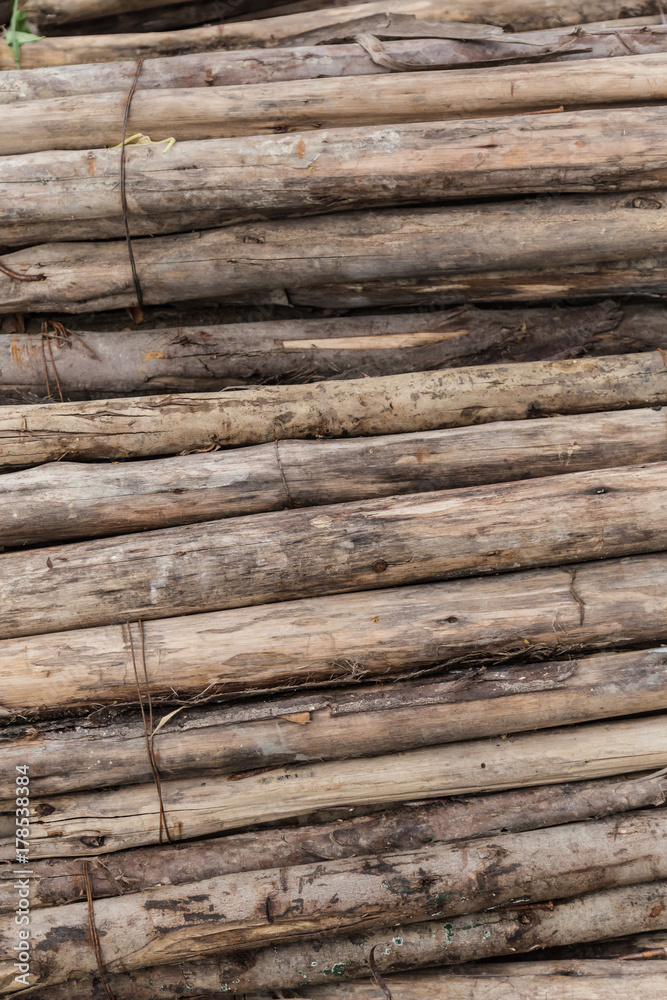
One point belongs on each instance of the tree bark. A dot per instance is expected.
(89, 823)
(246, 67)
(596, 232)
(96, 120)
(610, 912)
(74, 195)
(539, 613)
(341, 897)
(342, 548)
(407, 828)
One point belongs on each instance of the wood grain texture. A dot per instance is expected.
(91, 823)
(207, 113)
(409, 827)
(360, 722)
(282, 556)
(57, 196)
(602, 605)
(344, 896)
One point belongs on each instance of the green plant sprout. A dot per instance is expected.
(18, 33)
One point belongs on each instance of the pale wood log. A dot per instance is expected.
(343, 896)
(609, 912)
(360, 722)
(542, 612)
(191, 358)
(67, 501)
(163, 425)
(407, 828)
(597, 232)
(89, 823)
(624, 37)
(74, 195)
(342, 548)
(96, 120)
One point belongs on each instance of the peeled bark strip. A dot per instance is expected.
(74, 195)
(360, 722)
(89, 823)
(407, 828)
(68, 501)
(376, 634)
(251, 259)
(611, 912)
(341, 548)
(205, 113)
(343, 896)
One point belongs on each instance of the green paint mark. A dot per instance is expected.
(449, 933)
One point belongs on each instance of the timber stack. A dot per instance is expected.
(333, 499)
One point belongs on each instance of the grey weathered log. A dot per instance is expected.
(406, 828)
(540, 613)
(96, 120)
(232, 911)
(532, 237)
(360, 546)
(607, 913)
(64, 195)
(56, 12)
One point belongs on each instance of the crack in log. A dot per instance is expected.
(577, 598)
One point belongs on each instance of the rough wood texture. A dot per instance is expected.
(608, 913)
(343, 24)
(74, 195)
(55, 12)
(540, 613)
(96, 120)
(281, 556)
(249, 66)
(164, 425)
(67, 501)
(88, 823)
(342, 896)
(280, 257)
(406, 828)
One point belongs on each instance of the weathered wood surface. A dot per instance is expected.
(163, 425)
(607, 913)
(89, 823)
(279, 257)
(328, 23)
(191, 358)
(542, 613)
(342, 896)
(56, 12)
(360, 546)
(74, 195)
(249, 66)
(96, 120)
(410, 827)
(360, 722)
(172, 16)
(67, 501)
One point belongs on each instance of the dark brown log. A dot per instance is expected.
(537, 614)
(406, 828)
(612, 912)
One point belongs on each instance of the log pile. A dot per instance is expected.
(333, 466)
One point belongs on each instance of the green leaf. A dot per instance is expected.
(18, 33)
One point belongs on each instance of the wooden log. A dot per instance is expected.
(245, 67)
(194, 358)
(602, 605)
(163, 425)
(341, 897)
(407, 828)
(96, 120)
(89, 823)
(56, 12)
(361, 722)
(67, 501)
(342, 548)
(596, 231)
(74, 195)
(294, 29)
